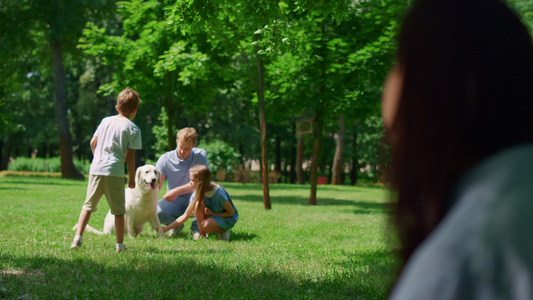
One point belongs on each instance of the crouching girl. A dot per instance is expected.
(214, 209)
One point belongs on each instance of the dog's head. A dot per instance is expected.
(147, 177)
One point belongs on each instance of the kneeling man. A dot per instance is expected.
(174, 167)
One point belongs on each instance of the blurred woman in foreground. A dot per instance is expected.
(458, 112)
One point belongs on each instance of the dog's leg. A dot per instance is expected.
(109, 223)
(139, 229)
(156, 225)
(129, 225)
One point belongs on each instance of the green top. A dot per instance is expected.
(483, 248)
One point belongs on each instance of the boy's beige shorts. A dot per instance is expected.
(110, 186)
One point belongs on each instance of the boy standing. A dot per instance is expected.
(113, 143)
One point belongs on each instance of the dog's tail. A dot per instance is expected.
(89, 228)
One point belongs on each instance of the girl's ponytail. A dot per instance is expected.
(201, 175)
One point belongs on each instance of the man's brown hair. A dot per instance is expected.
(187, 133)
(127, 101)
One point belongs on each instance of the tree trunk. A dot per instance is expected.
(171, 107)
(3, 164)
(314, 163)
(292, 172)
(262, 126)
(320, 123)
(5, 151)
(240, 148)
(65, 138)
(300, 176)
(277, 167)
(353, 173)
(338, 165)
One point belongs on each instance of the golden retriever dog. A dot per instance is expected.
(141, 205)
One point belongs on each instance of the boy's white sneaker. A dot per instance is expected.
(121, 247)
(76, 243)
(224, 236)
(176, 231)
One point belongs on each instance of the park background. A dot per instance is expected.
(284, 95)
(249, 76)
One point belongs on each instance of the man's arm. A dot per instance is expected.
(160, 165)
(180, 190)
(161, 181)
(130, 163)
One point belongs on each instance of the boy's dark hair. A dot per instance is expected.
(127, 101)
(467, 93)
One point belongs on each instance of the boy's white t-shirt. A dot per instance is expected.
(116, 135)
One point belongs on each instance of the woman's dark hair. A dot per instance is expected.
(467, 93)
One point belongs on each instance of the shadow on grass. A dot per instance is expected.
(177, 250)
(371, 207)
(303, 187)
(360, 207)
(12, 189)
(237, 235)
(241, 236)
(43, 181)
(374, 266)
(134, 275)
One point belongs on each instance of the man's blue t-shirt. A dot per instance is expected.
(176, 170)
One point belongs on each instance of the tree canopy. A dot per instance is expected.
(241, 72)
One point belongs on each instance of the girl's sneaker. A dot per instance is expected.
(196, 236)
(76, 243)
(224, 236)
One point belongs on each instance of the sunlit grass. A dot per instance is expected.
(337, 249)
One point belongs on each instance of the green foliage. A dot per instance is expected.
(221, 155)
(28, 30)
(160, 133)
(38, 164)
(151, 55)
(369, 140)
(337, 250)
(525, 10)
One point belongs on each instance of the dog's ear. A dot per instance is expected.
(158, 175)
(138, 176)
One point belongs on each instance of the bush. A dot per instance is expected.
(273, 177)
(221, 174)
(242, 175)
(38, 164)
(221, 156)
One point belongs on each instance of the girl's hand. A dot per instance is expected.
(208, 211)
(165, 229)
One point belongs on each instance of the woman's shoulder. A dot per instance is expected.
(489, 223)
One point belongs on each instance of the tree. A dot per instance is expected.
(341, 61)
(525, 9)
(235, 25)
(338, 163)
(156, 59)
(59, 23)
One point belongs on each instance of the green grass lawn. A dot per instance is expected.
(337, 249)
